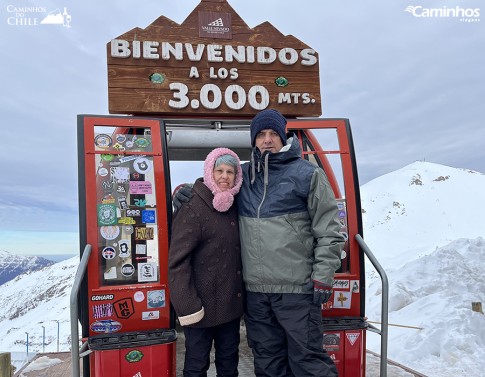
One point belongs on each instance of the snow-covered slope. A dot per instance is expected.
(33, 300)
(424, 224)
(412, 211)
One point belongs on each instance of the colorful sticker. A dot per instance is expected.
(118, 147)
(105, 326)
(145, 258)
(342, 300)
(109, 232)
(142, 165)
(147, 316)
(127, 221)
(148, 216)
(108, 253)
(124, 308)
(102, 311)
(140, 187)
(108, 199)
(156, 299)
(133, 356)
(140, 202)
(107, 214)
(107, 157)
(144, 233)
(103, 141)
(141, 142)
(120, 138)
(147, 272)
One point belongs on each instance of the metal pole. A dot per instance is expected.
(57, 335)
(27, 345)
(384, 304)
(83, 264)
(43, 339)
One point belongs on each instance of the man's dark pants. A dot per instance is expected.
(285, 334)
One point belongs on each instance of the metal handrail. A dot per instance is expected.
(384, 305)
(81, 270)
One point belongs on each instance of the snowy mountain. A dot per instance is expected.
(36, 299)
(424, 224)
(12, 265)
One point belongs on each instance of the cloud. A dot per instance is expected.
(412, 88)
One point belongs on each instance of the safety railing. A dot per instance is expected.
(75, 349)
(384, 331)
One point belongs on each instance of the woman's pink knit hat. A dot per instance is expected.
(222, 199)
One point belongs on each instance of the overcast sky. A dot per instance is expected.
(412, 87)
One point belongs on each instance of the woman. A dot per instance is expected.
(205, 278)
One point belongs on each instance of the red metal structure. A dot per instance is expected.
(125, 303)
(126, 216)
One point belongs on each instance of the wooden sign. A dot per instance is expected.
(212, 63)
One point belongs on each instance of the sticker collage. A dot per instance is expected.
(126, 207)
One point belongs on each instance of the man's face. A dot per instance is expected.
(268, 140)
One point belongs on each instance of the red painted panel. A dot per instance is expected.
(147, 361)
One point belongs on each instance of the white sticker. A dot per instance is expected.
(352, 337)
(354, 286)
(139, 296)
(110, 232)
(142, 165)
(103, 172)
(124, 247)
(141, 249)
(110, 274)
(146, 316)
(341, 284)
(147, 272)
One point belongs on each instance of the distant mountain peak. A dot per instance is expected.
(13, 265)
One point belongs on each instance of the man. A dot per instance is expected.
(290, 249)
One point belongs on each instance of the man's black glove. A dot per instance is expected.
(182, 195)
(321, 292)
